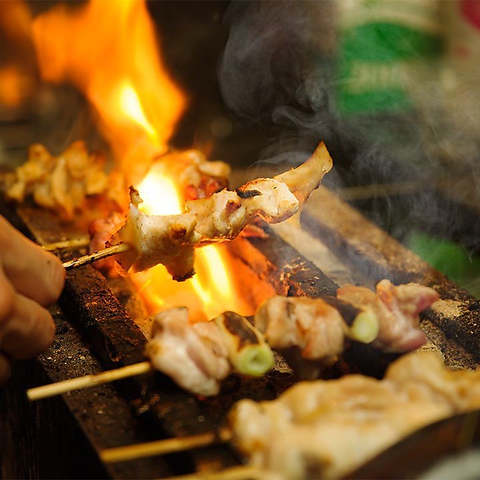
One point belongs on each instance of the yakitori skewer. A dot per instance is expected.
(163, 447)
(309, 333)
(93, 257)
(87, 381)
(144, 241)
(196, 356)
(71, 243)
(313, 428)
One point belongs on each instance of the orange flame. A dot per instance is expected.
(211, 291)
(17, 74)
(14, 86)
(108, 50)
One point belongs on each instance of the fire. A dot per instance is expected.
(17, 73)
(108, 50)
(14, 86)
(132, 107)
(159, 193)
(211, 291)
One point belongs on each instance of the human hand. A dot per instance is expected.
(30, 280)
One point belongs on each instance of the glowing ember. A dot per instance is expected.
(108, 50)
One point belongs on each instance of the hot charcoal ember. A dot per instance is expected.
(324, 429)
(171, 239)
(275, 261)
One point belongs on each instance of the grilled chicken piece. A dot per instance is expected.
(311, 333)
(327, 428)
(100, 231)
(60, 183)
(194, 357)
(198, 356)
(196, 176)
(397, 308)
(315, 325)
(165, 239)
(171, 240)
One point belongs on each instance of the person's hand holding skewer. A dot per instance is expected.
(30, 280)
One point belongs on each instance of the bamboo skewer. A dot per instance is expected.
(63, 244)
(93, 257)
(240, 472)
(163, 447)
(88, 381)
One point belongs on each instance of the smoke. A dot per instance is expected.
(280, 71)
(265, 58)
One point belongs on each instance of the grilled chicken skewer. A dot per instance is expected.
(310, 333)
(96, 256)
(327, 428)
(147, 240)
(199, 356)
(67, 244)
(196, 356)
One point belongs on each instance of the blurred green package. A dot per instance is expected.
(383, 49)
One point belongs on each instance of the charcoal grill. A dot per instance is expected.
(61, 437)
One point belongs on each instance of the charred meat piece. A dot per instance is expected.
(311, 333)
(195, 176)
(397, 308)
(60, 183)
(198, 356)
(171, 240)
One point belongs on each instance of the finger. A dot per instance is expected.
(32, 271)
(28, 331)
(7, 298)
(5, 369)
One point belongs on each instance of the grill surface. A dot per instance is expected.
(95, 332)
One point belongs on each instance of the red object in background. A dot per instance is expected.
(471, 11)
